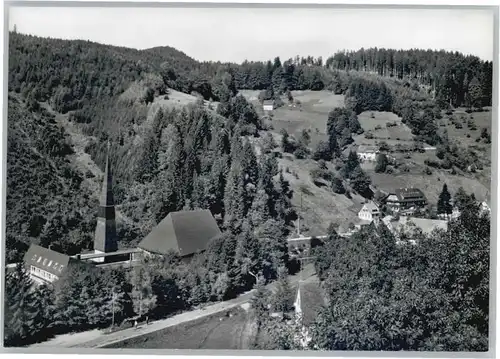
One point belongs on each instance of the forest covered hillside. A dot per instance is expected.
(199, 155)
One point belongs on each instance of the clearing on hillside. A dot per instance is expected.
(383, 126)
(467, 135)
(309, 111)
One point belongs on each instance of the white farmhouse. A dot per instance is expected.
(367, 153)
(268, 105)
(369, 212)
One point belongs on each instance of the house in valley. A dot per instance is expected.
(405, 200)
(369, 212)
(268, 105)
(183, 232)
(367, 153)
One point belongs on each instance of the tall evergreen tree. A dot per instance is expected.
(444, 206)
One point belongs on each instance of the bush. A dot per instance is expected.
(372, 115)
(322, 164)
(301, 152)
(378, 127)
(369, 135)
(405, 168)
(432, 163)
(449, 112)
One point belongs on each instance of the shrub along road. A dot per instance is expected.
(98, 338)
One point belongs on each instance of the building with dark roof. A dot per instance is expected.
(405, 199)
(44, 265)
(184, 232)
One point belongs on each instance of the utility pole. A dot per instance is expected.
(113, 310)
(140, 303)
(298, 217)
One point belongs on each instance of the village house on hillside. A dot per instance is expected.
(268, 105)
(405, 200)
(184, 232)
(369, 212)
(367, 153)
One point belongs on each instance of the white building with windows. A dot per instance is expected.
(369, 212)
(44, 265)
(367, 153)
(268, 105)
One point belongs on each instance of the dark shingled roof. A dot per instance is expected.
(185, 232)
(51, 261)
(312, 299)
(268, 102)
(409, 194)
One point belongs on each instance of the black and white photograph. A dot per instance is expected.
(252, 177)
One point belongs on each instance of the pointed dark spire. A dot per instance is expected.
(107, 184)
(105, 232)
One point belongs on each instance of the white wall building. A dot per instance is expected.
(367, 153)
(268, 106)
(369, 212)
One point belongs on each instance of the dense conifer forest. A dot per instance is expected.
(201, 156)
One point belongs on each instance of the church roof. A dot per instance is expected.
(184, 232)
(308, 301)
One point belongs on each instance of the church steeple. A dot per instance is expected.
(105, 232)
(107, 184)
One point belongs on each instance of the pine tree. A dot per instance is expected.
(260, 302)
(351, 163)
(444, 206)
(147, 165)
(234, 198)
(338, 185)
(71, 310)
(260, 212)
(475, 93)
(382, 162)
(285, 141)
(22, 317)
(248, 253)
(360, 181)
(282, 297)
